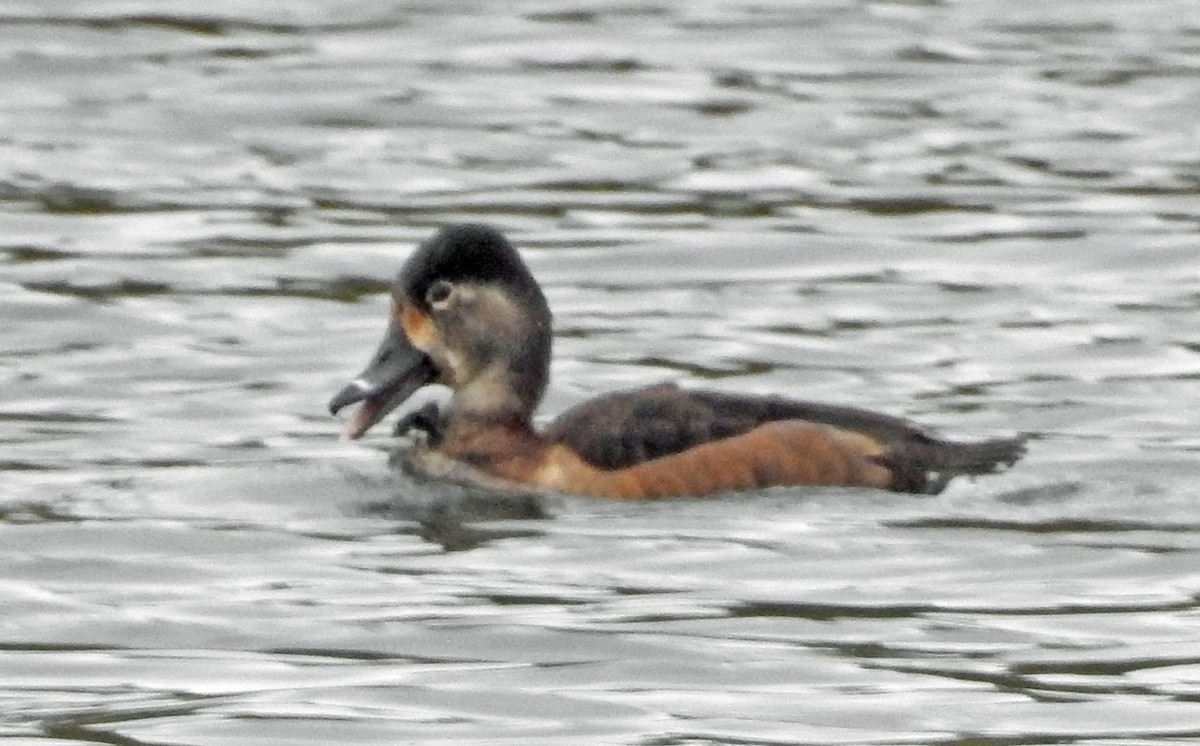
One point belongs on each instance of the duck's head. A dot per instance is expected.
(467, 313)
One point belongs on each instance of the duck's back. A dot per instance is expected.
(628, 428)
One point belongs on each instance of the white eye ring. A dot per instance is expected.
(438, 294)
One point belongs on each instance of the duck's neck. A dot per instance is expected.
(494, 399)
(488, 426)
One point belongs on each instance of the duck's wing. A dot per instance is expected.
(632, 427)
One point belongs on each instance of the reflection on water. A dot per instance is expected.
(979, 216)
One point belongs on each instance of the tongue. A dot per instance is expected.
(363, 418)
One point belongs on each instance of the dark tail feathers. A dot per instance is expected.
(925, 465)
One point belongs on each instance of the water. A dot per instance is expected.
(983, 216)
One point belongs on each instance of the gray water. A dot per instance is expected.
(982, 215)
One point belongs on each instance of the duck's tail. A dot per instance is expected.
(927, 464)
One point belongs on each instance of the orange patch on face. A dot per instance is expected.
(417, 326)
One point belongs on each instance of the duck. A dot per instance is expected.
(467, 313)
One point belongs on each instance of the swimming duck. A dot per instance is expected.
(467, 313)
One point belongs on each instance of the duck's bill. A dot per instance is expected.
(395, 373)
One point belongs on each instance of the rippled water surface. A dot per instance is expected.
(981, 215)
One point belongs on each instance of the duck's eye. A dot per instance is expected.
(438, 293)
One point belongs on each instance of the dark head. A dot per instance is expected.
(466, 312)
